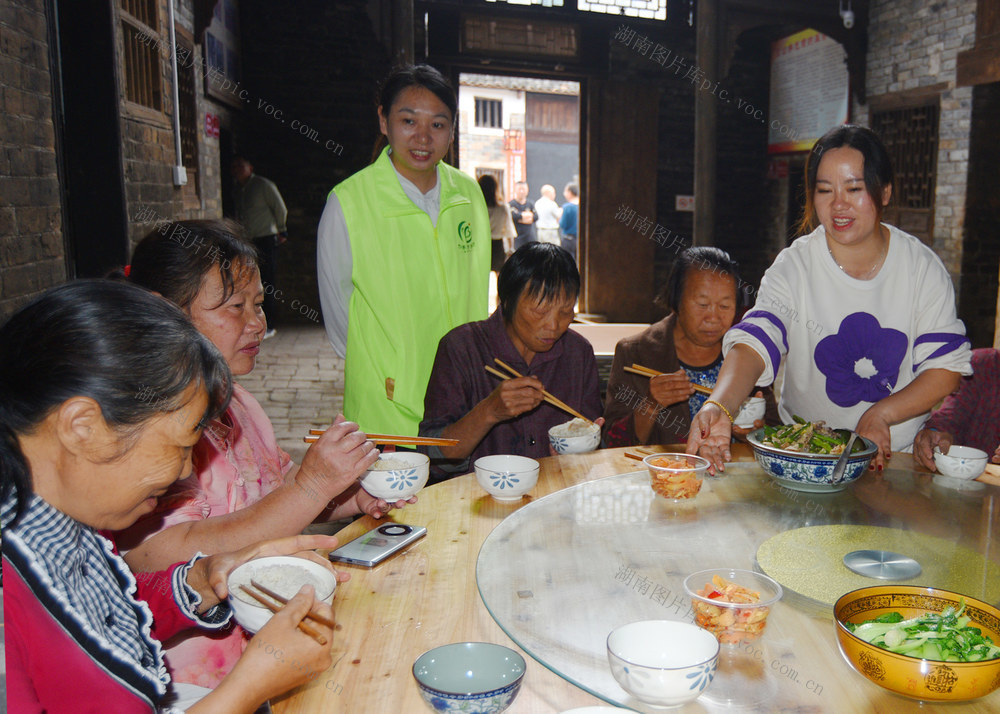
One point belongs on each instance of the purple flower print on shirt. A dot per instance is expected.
(861, 361)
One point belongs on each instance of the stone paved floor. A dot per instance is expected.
(299, 380)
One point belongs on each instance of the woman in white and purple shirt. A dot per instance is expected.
(861, 313)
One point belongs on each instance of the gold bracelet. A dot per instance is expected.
(720, 406)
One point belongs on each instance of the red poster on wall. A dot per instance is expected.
(212, 125)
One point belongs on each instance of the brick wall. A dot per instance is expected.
(914, 44)
(32, 255)
(148, 146)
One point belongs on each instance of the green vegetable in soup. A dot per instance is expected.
(946, 636)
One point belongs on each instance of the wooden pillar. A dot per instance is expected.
(705, 124)
(402, 30)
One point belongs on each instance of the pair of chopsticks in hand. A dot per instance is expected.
(647, 372)
(314, 435)
(318, 636)
(554, 401)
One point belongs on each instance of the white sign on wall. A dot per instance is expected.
(810, 90)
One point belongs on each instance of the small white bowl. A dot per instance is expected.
(579, 444)
(254, 616)
(505, 477)
(962, 462)
(750, 411)
(469, 677)
(663, 663)
(398, 484)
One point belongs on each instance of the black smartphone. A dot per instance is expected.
(377, 544)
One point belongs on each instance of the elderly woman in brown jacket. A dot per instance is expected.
(704, 296)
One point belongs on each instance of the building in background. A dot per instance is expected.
(519, 129)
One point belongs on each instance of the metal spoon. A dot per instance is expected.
(841, 466)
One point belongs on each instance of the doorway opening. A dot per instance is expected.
(522, 130)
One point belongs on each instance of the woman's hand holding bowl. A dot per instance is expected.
(377, 507)
(926, 441)
(208, 575)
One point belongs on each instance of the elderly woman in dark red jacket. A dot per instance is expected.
(704, 296)
(537, 288)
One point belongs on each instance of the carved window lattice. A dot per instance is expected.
(911, 137)
(141, 45)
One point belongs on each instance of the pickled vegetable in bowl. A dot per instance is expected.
(675, 476)
(732, 604)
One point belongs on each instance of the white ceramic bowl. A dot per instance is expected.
(574, 444)
(252, 617)
(663, 662)
(962, 462)
(750, 411)
(506, 477)
(469, 677)
(398, 484)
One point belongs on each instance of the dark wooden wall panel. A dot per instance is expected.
(621, 145)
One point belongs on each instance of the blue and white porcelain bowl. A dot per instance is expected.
(469, 677)
(409, 473)
(800, 471)
(664, 663)
(962, 462)
(506, 477)
(574, 437)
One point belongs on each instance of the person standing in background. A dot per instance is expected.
(261, 210)
(501, 225)
(523, 212)
(570, 218)
(403, 254)
(547, 215)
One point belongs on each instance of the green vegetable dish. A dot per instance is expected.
(944, 637)
(812, 437)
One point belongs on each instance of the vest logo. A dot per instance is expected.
(464, 236)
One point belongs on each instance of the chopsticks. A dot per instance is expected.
(548, 397)
(639, 454)
(316, 635)
(314, 435)
(647, 372)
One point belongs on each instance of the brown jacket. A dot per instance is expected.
(653, 348)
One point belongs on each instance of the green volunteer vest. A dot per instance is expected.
(412, 284)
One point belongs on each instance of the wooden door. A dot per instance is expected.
(616, 258)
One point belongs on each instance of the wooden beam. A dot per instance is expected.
(705, 124)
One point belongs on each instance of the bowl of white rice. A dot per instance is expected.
(397, 476)
(282, 574)
(575, 436)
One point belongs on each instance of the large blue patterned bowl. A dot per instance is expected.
(469, 677)
(810, 472)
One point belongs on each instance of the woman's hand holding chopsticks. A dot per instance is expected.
(508, 400)
(338, 458)
(281, 655)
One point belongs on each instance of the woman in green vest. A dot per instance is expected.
(403, 254)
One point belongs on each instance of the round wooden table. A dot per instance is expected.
(427, 595)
